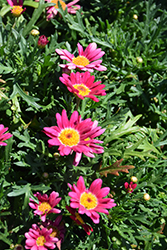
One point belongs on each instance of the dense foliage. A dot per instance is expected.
(133, 114)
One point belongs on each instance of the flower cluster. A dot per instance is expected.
(49, 233)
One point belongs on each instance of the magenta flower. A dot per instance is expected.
(3, 136)
(75, 135)
(58, 229)
(53, 10)
(86, 60)
(77, 218)
(90, 201)
(42, 41)
(40, 239)
(17, 7)
(130, 187)
(46, 204)
(83, 85)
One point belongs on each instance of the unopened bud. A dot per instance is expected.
(45, 175)
(135, 16)
(134, 179)
(42, 41)
(146, 197)
(34, 32)
(139, 59)
(56, 155)
(18, 247)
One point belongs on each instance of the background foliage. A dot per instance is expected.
(134, 113)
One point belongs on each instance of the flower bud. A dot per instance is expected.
(56, 155)
(139, 59)
(135, 17)
(45, 175)
(146, 197)
(134, 179)
(42, 41)
(34, 32)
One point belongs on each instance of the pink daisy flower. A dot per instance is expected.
(58, 229)
(86, 60)
(3, 136)
(17, 7)
(53, 10)
(83, 85)
(40, 239)
(75, 135)
(130, 187)
(46, 204)
(77, 218)
(90, 201)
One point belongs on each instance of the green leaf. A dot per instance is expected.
(29, 99)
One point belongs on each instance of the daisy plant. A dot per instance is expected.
(90, 201)
(40, 239)
(75, 135)
(83, 85)
(17, 7)
(53, 10)
(87, 60)
(46, 204)
(4, 136)
(78, 220)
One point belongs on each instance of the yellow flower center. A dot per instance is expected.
(63, 5)
(40, 241)
(83, 90)
(80, 60)
(55, 231)
(44, 207)
(69, 137)
(88, 200)
(17, 10)
(78, 217)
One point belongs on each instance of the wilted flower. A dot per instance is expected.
(83, 85)
(77, 218)
(86, 60)
(18, 247)
(75, 135)
(46, 204)
(42, 41)
(146, 197)
(40, 239)
(34, 32)
(90, 201)
(130, 187)
(17, 7)
(134, 178)
(53, 10)
(58, 229)
(3, 136)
